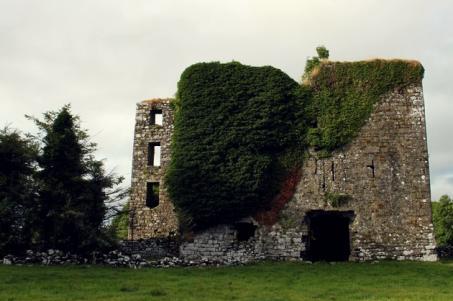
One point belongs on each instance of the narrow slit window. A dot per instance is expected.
(372, 167)
(155, 117)
(333, 171)
(152, 194)
(154, 154)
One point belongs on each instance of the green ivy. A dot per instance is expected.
(344, 95)
(235, 127)
(239, 129)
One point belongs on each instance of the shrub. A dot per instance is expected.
(120, 222)
(443, 220)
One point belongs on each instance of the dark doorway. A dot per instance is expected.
(245, 231)
(328, 238)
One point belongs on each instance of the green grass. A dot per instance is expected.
(260, 282)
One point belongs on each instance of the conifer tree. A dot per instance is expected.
(17, 191)
(74, 186)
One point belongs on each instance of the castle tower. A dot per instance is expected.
(151, 212)
(368, 200)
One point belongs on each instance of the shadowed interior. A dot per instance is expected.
(328, 235)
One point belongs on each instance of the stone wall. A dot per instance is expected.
(151, 247)
(160, 221)
(383, 172)
(221, 244)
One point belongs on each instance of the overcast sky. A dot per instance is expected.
(105, 56)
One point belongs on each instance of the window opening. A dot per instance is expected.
(154, 154)
(152, 194)
(372, 167)
(156, 117)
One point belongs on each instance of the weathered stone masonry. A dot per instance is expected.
(160, 221)
(384, 172)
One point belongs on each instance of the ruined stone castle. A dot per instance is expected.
(384, 172)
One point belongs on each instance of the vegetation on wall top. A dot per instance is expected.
(240, 130)
(344, 94)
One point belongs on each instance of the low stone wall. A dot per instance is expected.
(56, 257)
(152, 247)
(220, 244)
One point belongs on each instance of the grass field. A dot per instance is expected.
(260, 282)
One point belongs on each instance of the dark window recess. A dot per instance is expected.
(333, 171)
(245, 231)
(154, 154)
(155, 117)
(372, 167)
(152, 194)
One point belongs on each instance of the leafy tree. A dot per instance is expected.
(74, 186)
(443, 220)
(17, 191)
(120, 222)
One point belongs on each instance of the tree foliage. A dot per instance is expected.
(18, 198)
(73, 186)
(443, 220)
(53, 192)
(120, 222)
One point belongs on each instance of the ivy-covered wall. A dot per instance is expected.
(344, 95)
(233, 125)
(240, 130)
